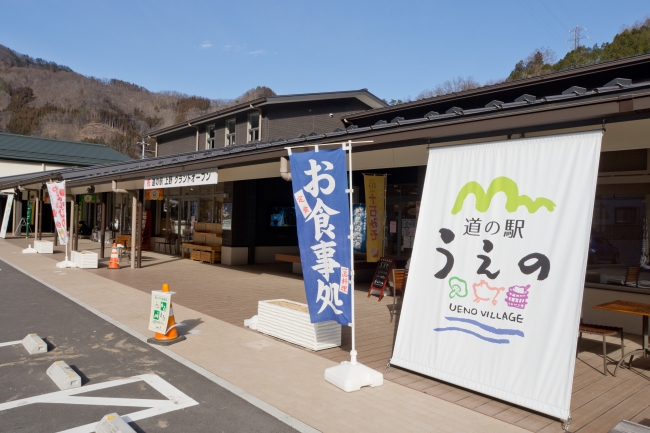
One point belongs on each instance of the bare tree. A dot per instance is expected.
(455, 85)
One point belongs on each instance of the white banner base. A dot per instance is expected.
(66, 264)
(29, 250)
(352, 377)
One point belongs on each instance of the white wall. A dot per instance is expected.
(11, 168)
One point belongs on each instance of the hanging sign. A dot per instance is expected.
(359, 227)
(498, 268)
(375, 187)
(158, 319)
(319, 181)
(226, 216)
(207, 177)
(56, 191)
(88, 198)
(154, 194)
(7, 215)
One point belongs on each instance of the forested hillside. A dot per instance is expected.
(45, 99)
(630, 41)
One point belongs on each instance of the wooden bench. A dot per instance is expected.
(201, 252)
(603, 331)
(296, 267)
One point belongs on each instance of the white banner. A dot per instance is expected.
(205, 177)
(7, 215)
(56, 190)
(496, 278)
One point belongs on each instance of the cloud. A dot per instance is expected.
(257, 53)
(206, 44)
(227, 47)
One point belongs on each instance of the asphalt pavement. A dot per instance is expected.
(166, 395)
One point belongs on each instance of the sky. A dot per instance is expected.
(220, 49)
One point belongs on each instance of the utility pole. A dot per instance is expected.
(576, 36)
(143, 144)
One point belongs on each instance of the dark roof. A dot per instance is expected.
(575, 105)
(592, 76)
(363, 95)
(48, 150)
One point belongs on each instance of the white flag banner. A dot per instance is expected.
(7, 215)
(495, 285)
(56, 191)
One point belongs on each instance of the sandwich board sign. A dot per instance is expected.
(160, 306)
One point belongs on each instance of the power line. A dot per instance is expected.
(537, 17)
(551, 12)
(576, 36)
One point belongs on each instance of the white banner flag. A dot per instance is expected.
(57, 200)
(496, 279)
(7, 215)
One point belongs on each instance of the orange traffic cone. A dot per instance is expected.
(114, 263)
(171, 336)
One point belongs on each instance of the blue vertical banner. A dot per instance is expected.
(319, 181)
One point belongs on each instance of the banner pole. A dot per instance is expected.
(353, 352)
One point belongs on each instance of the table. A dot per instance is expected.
(631, 308)
(124, 240)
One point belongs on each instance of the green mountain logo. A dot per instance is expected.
(500, 184)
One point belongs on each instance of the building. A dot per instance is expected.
(264, 119)
(613, 96)
(23, 155)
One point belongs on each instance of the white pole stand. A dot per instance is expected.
(66, 263)
(352, 376)
(29, 250)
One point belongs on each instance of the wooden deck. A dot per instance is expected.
(230, 293)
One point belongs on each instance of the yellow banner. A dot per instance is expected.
(375, 196)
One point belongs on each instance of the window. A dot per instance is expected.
(230, 132)
(209, 136)
(254, 127)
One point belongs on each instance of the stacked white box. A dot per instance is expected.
(85, 259)
(296, 327)
(44, 247)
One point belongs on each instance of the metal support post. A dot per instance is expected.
(134, 218)
(102, 236)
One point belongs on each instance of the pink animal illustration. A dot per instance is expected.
(484, 292)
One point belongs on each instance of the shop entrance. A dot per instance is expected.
(402, 203)
(190, 216)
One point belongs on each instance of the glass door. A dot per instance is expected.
(190, 216)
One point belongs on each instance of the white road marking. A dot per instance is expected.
(255, 401)
(175, 400)
(11, 343)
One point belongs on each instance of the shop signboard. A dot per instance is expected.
(7, 215)
(154, 194)
(56, 191)
(88, 198)
(498, 268)
(375, 186)
(205, 177)
(160, 305)
(319, 181)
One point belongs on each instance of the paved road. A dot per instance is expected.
(100, 353)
